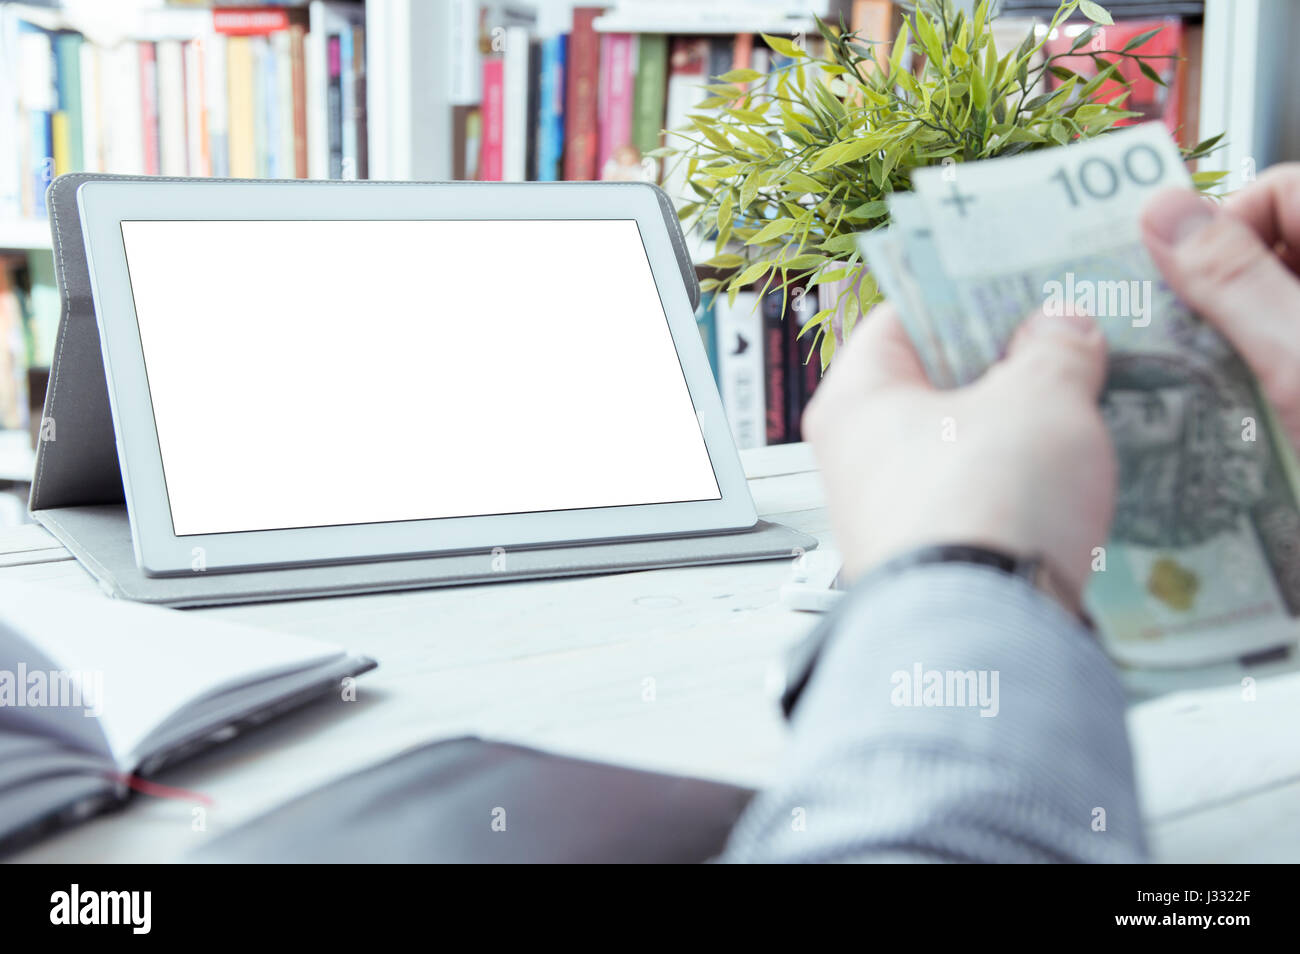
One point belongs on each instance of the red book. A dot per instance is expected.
(240, 22)
(1153, 101)
(149, 108)
(582, 102)
(776, 384)
(491, 164)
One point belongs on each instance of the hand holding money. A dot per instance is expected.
(1237, 266)
(980, 465)
(1203, 558)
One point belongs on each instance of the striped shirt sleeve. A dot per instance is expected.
(956, 714)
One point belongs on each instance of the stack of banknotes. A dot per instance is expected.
(1203, 563)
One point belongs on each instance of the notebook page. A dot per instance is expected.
(141, 662)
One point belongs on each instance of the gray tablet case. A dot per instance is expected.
(473, 801)
(77, 485)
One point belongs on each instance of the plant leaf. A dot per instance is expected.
(774, 229)
(1095, 12)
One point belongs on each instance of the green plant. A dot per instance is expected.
(788, 168)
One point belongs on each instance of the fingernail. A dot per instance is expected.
(1174, 216)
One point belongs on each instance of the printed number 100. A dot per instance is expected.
(1100, 178)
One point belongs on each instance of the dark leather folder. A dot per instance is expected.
(469, 800)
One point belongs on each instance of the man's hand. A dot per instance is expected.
(1019, 460)
(1236, 266)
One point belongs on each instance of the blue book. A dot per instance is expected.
(706, 321)
(550, 118)
(38, 96)
(42, 158)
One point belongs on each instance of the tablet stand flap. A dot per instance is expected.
(76, 455)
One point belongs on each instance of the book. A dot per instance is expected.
(67, 72)
(687, 65)
(873, 21)
(98, 695)
(491, 166)
(777, 381)
(173, 148)
(707, 325)
(12, 177)
(616, 157)
(740, 367)
(358, 115)
(550, 104)
(581, 108)
(215, 94)
(38, 101)
(334, 104)
(1148, 98)
(532, 115)
(347, 103)
(514, 104)
(648, 93)
(241, 134)
(804, 361)
(298, 92)
(324, 80)
(149, 107)
(198, 144)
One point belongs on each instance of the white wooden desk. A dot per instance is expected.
(565, 665)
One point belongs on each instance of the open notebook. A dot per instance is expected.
(95, 693)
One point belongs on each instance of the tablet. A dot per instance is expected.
(311, 372)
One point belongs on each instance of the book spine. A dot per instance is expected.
(298, 66)
(125, 134)
(808, 355)
(581, 96)
(92, 82)
(149, 108)
(514, 141)
(317, 78)
(67, 49)
(12, 175)
(617, 68)
(648, 97)
(284, 148)
(873, 21)
(173, 149)
(688, 62)
(795, 348)
(491, 161)
(196, 110)
(217, 97)
(359, 117)
(347, 105)
(776, 382)
(740, 367)
(706, 322)
(334, 104)
(550, 138)
(59, 141)
(242, 134)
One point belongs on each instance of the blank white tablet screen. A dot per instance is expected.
(309, 373)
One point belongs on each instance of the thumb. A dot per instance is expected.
(1220, 267)
(1066, 351)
